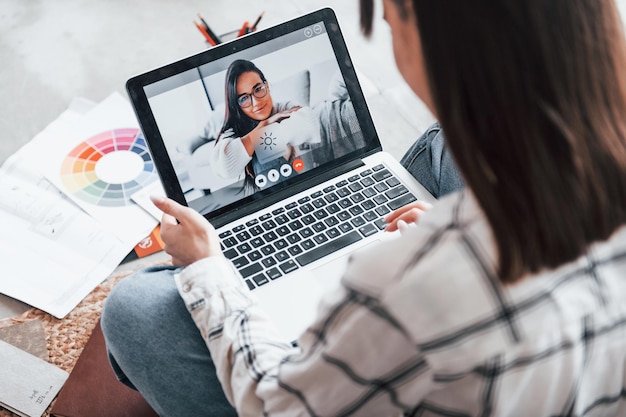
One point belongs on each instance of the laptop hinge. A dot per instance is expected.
(239, 212)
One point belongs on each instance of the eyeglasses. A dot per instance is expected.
(259, 91)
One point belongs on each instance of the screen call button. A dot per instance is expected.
(273, 175)
(298, 164)
(285, 170)
(260, 181)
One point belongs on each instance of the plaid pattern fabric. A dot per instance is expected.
(422, 327)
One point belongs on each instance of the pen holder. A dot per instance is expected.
(233, 34)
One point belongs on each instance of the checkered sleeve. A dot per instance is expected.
(355, 360)
(262, 375)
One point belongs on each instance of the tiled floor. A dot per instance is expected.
(51, 52)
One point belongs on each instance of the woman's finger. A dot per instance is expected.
(420, 205)
(282, 115)
(187, 235)
(171, 208)
(408, 215)
(292, 109)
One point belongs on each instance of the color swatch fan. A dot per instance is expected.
(99, 161)
(107, 169)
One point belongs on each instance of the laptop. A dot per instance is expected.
(312, 186)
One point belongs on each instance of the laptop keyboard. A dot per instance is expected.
(299, 233)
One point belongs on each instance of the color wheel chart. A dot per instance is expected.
(107, 169)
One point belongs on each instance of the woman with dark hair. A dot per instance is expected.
(251, 113)
(506, 299)
(249, 109)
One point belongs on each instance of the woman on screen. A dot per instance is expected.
(255, 137)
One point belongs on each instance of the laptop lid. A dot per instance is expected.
(194, 119)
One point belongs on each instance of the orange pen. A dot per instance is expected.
(243, 29)
(206, 35)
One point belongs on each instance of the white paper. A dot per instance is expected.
(53, 253)
(142, 198)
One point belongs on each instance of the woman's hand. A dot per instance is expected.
(187, 235)
(404, 216)
(280, 116)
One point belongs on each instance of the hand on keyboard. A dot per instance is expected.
(187, 235)
(406, 215)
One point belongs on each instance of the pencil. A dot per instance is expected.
(206, 35)
(256, 23)
(209, 31)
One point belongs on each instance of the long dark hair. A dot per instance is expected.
(234, 117)
(532, 97)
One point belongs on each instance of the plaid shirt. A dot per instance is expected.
(421, 326)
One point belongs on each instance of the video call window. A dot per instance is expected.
(255, 119)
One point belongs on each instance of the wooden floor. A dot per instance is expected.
(52, 52)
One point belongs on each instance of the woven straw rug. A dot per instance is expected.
(66, 338)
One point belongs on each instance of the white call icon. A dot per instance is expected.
(286, 170)
(260, 180)
(273, 175)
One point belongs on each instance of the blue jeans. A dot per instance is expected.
(430, 162)
(155, 347)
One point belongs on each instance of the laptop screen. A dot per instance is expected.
(254, 116)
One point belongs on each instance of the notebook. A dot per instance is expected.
(291, 195)
(93, 390)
